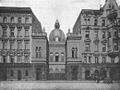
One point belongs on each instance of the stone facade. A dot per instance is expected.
(90, 52)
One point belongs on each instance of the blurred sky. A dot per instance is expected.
(47, 11)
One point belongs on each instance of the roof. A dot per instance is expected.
(15, 9)
(91, 12)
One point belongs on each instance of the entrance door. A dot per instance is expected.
(19, 75)
(74, 74)
(38, 74)
(87, 75)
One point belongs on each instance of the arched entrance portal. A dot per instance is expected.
(19, 75)
(74, 73)
(87, 75)
(103, 74)
(38, 74)
(96, 74)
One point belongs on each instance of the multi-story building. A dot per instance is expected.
(91, 51)
(22, 45)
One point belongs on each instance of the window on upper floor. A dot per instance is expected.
(12, 33)
(56, 57)
(85, 59)
(4, 32)
(19, 20)
(4, 59)
(87, 47)
(51, 56)
(109, 34)
(103, 34)
(12, 59)
(95, 22)
(12, 45)
(96, 34)
(4, 19)
(115, 43)
(103, 59)
(26, 59)
(38, 51)
(26, 19)
(103, 22)
(19, 59)
(116, 33)
(19, 45)
(19, 32)
(12, 20)
(96, 59)
(104, 48)
(87, 35)
(74, 52)
(27, 45)
(27, 31)
(89, 59)
(62, 56)
(4, 43)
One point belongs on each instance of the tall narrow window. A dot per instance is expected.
(19, 59)
(19, 20)
(27, 20)
(89, 59)
(62, 56)
(96, 59)
(4, 44)
(115, 43)
(95, 22)
(26, 59)
(12, 59)
(4, 59)
(103, 35)
(4, 31)
(87, 48)
(27, 46)
(12, 20)
(12, 32)
(27, 31)
(19, 45)
(103, 59)
(5, 20)
(38, 52)
(56, 57)
(85, 59)
(104, 48)
(12, 44)
(87, 35)
(103, 22)
(74, 52)
(19, 33)
(51, 56)
(96, 34)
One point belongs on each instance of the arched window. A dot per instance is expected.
(62, 56)
(74, 52)
(12, 19)
(103, 22)
(38, 51)
(51, 56)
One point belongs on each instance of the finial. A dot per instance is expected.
(57, 25)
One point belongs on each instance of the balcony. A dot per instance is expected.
(4, 52)
(113, 53)
(20, 52)
(12, 52)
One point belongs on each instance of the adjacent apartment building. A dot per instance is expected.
(91, 51)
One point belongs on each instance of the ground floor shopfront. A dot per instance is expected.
(40, 72)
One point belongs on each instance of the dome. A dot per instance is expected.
(57, 34)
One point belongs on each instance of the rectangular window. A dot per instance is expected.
(96, 34)
(104, 48)
(26, 59)
(12, 20)
(4, 44)
(115, 44)
(85, 59)
(103, 35)
(57, 58)
(27, 20)
(103, 59)
(5, 20)
(19, 45)
(27, 31)
(19, 20)
(38, 52)
(89, 59)
(103, 22)
(96, 60)
(5, 32)
(51, 56)
(95, 22)
(74, 52)
(12, 33)
(27, 46)
(87, 48)
(87, 35)
(12, 44)
(62, 56)
(19, 59)
(4, 59)
(12, 59)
